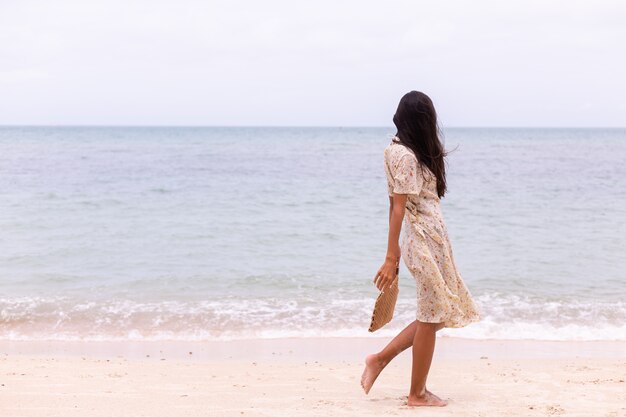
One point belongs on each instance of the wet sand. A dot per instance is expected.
(307, 377)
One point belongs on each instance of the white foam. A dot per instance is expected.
(503, 317)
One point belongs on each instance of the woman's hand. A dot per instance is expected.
(386, 274)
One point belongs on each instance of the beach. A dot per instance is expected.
(157, 271)
(307, 377)
(198, 201)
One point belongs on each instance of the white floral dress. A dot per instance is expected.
(425, 247)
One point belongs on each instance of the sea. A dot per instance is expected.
(221, 233)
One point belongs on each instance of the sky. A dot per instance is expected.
(317, 63)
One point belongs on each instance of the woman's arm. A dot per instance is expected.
(387, 271)
(396, 214)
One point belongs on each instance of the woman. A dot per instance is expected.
(416, 181)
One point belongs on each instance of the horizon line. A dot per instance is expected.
(295, 126)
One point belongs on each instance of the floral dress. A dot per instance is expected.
(425, 247)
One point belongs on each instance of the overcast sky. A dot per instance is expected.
(335, 63)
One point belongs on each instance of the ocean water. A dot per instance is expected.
(218, 233)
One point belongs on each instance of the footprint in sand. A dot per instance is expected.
(554, 410)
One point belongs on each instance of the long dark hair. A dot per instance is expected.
(416, 120)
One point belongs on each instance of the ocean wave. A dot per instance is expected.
(504, 316)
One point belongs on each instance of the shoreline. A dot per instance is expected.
(296, 348)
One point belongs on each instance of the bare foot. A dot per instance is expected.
(406, 397)
(428, 399)
(373, 366)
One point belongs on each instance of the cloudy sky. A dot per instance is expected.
(335, 63)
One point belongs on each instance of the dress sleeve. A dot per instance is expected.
(406, 176)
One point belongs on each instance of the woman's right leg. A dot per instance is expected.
(423, 349)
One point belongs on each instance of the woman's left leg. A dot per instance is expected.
(376, 362)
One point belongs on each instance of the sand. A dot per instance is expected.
(307, 377)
